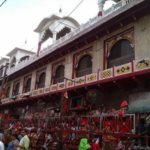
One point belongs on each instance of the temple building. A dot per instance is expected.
(108, 54)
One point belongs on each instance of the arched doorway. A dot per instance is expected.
(84, 66)
(41, 82)
(28, 85)
(59, 75)
(121, 53)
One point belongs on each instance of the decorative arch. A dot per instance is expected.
(84, 66)
(59, 75)
(13, 62)
(38, 75)
(23, 58)
(16, 87)
(121, 53)
(27, 84)
(7, 93)
(55, 66)
(109, 43)
(78, 56)
(41, 82)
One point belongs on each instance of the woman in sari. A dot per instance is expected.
(13, 141)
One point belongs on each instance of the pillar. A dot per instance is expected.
(123, 2)
(100, 7)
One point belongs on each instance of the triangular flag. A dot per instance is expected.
(124, 103)
(66, 95)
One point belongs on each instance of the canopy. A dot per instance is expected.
(140, 106)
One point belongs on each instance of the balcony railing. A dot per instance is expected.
(116, 71)
(63, 40)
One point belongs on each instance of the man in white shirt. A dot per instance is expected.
(1, 143)
(24, 142)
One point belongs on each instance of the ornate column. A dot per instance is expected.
(100, 6)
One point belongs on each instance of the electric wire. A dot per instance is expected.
(2, 3)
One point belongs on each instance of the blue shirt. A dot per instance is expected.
(11, 144)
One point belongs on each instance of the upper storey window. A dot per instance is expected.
(8, 92)
(40, 78)
(23, 58)
(16, 88)
(13, 62)
(58, 72)
(119, 49)
(41, 82)
(28, 85)
(59, 75)
(84, 66)
(121, 53)
(83, 62)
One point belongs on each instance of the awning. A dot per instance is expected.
(140, 106)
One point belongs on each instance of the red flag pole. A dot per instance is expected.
(39, 48)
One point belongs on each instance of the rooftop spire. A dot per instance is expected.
(60, 10)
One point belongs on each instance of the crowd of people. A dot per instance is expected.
(13, 141)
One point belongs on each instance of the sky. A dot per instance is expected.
(19, 18)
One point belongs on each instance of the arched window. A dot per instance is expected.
(13, 62)
(41, 82)
(1, 71)
(28, 85)
(8, 92)
(16, 90)
(121, 53)
(23, 58)
(59, 75)
(84, 66)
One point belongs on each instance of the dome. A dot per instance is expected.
(52, 18)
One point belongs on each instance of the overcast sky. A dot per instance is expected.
(18, 19)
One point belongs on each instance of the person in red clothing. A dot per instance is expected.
(95, 144)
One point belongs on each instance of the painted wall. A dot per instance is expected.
(141, 39)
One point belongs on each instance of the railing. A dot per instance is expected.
(53, 47)
(116, 71)
(116, 124)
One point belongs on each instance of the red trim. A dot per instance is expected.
(83, 85)
(132, 65)
(85, 79)
(73, 69)
(113, 71)
(98, 74)
(104, 57)
(39, 48)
